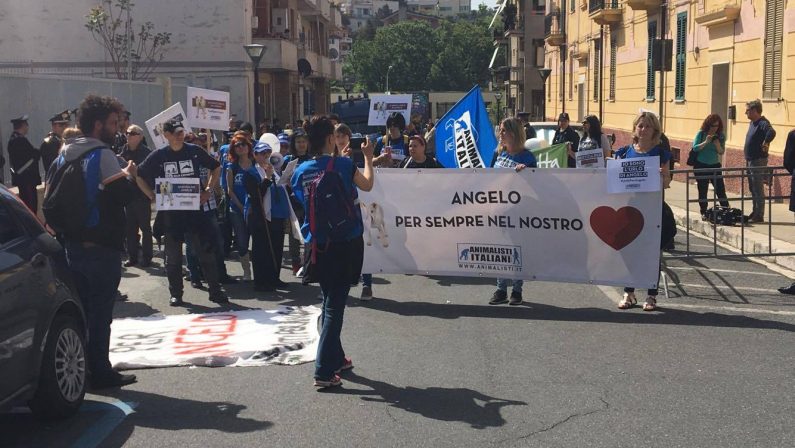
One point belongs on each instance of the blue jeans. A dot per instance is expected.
(330, 354)
(502, 285)
(367, 280)
(756, 183)
(241, 231)
(97, 274)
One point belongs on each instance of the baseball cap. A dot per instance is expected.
(563, 116)
(284, 139)
(173, 126)
(262, 147)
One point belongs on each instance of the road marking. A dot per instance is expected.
(610, 292)
(114, 413)
(730, 288)
(727, 271)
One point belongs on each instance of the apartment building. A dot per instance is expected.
(716, 55)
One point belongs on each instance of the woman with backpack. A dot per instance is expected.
(511, 154)
(647, 132)
(322, 184)
(709, 145)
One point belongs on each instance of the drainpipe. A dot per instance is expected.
(601, 71)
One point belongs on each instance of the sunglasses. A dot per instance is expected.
(239, 144)
(133, 133)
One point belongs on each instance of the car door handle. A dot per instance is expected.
(38, 261)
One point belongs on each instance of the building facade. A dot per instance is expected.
(518, 28)
(720, 54)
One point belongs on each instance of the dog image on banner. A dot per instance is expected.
(373, 219)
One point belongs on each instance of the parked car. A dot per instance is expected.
(42, 325)
(546, 129)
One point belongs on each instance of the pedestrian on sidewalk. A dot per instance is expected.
(709, 145)
(789, 164)
(511, 153)
(647, 132)
(757, 142)
(339, 264)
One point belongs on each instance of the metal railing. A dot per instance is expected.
(768, 173)
(596, 5)
(554, 22)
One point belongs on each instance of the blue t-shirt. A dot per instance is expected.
(239, 187)
(223, 152)
(311, 170)
(506, 160)
(400, 149)
(629, 152)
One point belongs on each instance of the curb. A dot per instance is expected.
(732, 236)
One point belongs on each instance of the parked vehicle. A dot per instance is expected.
(546, 129)
(42, 325)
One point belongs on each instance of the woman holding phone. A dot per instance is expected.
(709, 145)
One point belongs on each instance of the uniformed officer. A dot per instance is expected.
(54, 140)
(24, 160)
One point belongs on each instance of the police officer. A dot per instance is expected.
(24, 159)
(52, 142)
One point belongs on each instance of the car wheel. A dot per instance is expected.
(62, 380)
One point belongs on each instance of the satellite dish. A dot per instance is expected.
(333, 54)
(304, 67)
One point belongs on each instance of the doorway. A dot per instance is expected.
(720, 91)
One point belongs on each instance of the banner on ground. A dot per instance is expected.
(286, 335)
(155, 124)
(464, 135)
(208, 108)
(382, 106)
(538, 224)
(555, 156)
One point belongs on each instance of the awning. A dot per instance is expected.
(499, 10)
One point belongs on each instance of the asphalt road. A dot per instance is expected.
(437, 366)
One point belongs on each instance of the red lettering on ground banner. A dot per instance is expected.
(203, 349)
(206, 336)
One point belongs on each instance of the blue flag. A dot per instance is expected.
(464, 135)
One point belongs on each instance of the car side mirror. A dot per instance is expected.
(47, 244)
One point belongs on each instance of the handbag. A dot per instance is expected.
(692, 157)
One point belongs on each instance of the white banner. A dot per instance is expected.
(287, 335)
(208, 108)
(381, 106)
(639, 174)
(550, 224)
(155, 124)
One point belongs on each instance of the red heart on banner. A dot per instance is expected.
(617, 228)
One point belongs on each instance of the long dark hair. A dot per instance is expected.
(712, 118)
(318, 130)
(298, 133)
(594, 129)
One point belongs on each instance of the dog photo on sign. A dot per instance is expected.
(373, 219)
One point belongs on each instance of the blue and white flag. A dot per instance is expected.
(464, 135)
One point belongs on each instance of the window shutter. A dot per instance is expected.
(649, 66)
(597, 71)
(681, 55)
(773, 52)
(613, 52)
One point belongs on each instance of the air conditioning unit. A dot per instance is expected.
(334, 48)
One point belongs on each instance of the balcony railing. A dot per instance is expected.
(554, 28)
(597, 5)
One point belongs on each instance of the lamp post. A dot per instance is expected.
(387, 79)
(255, 52)
(498, 97)
(544, 73)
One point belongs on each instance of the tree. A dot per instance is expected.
(462, 60)
(134, 52)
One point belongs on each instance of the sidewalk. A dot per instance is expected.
(752, 238)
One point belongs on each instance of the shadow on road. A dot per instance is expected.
(438, 403)
(536, 311)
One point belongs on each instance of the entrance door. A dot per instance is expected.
(720, 90)
(580, 102)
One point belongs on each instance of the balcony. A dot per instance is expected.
(499, 37)
(644, 5)
(604, 12)
(726, 13)
(554, 28)
(322, 66)
(280, 54)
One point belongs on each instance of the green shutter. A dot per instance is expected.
(681, 55)
(649, 66)
(774, 42)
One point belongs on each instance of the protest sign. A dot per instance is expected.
(155, 124)
(538, 224)
(286, 335)
(177, 193)
(382, 106)
(208, 108)
(464, 135)
(555, 156)
(590, 158)
(640, 174)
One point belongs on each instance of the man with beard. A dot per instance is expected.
(94, 253)
(24, 159)
(54, 140)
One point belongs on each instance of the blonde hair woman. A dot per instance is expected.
(646, 132)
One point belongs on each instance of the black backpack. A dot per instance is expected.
(67, 208)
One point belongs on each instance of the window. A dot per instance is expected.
(649, 66)
(573, 5)
(681, 55)
(597, 69)
(774, 42)
(613, 53)
(571, 77)
(463, 8)
(9, 229)
(442, 108)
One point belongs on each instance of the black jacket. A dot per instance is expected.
(49, 149)
(24, 158)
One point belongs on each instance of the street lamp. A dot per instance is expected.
(544, 73)
(498, 97)
(255, 52)
(387, 79)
